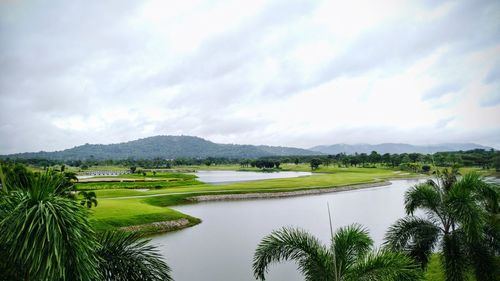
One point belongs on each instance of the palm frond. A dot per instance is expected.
(350, 244)
(293, 244)
(126, 256)
(482, 259)
(385, 265)
(414, 236)
(423, 196)
(44, 231)
(462, 204)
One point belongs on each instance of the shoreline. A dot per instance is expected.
(284, 194)
(179, 224)
(149, 229)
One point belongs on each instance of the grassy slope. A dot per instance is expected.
(118, 213)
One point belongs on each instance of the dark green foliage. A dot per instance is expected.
(496, 162)
(349, 256)
(89, 199)
(265, 164)
(400, 148)
(314, 163)
(426, 168)
(164, 147)
(126, 256)
(460, 223)
(414, 236)
(48, 235)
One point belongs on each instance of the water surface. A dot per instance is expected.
(222, 246)
(239, 176)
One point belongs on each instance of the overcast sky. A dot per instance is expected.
(294, 73)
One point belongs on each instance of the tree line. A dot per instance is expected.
(412, 161)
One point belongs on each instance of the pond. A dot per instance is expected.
(238, 176)
(221, 247)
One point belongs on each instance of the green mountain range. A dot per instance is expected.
(171, 147)
(166, 147)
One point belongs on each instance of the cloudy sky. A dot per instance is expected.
(295, 73)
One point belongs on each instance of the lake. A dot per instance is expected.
(221, 247)
(237, 176)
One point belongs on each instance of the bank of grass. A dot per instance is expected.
(112, 214)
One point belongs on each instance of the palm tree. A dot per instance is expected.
(348, 258)
(456, 223)
(46, 235)
(89, 198)
(125, 256)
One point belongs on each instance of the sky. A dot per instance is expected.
(289, 73)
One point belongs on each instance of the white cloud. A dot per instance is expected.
(298, 73)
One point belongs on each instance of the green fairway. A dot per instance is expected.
(115, 210)
(112, 214)
(318, 180)
(154, 184)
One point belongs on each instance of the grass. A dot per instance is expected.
(136, 184)
(110, 214)
(346, 177)
(434, 271)
(152, 176)
(114, 211)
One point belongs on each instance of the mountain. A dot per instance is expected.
(167, 147)
(395, 148)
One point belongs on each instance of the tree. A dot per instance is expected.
(132, 169)
(314, 163)
(349, 256)
(46, 235)
(457, 217)
(426, 168)
(88, 199)
(374, 157)
(496, 162)
(125, 256)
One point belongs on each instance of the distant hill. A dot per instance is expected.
(166, 147)
(171, 147)
(395, 148)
